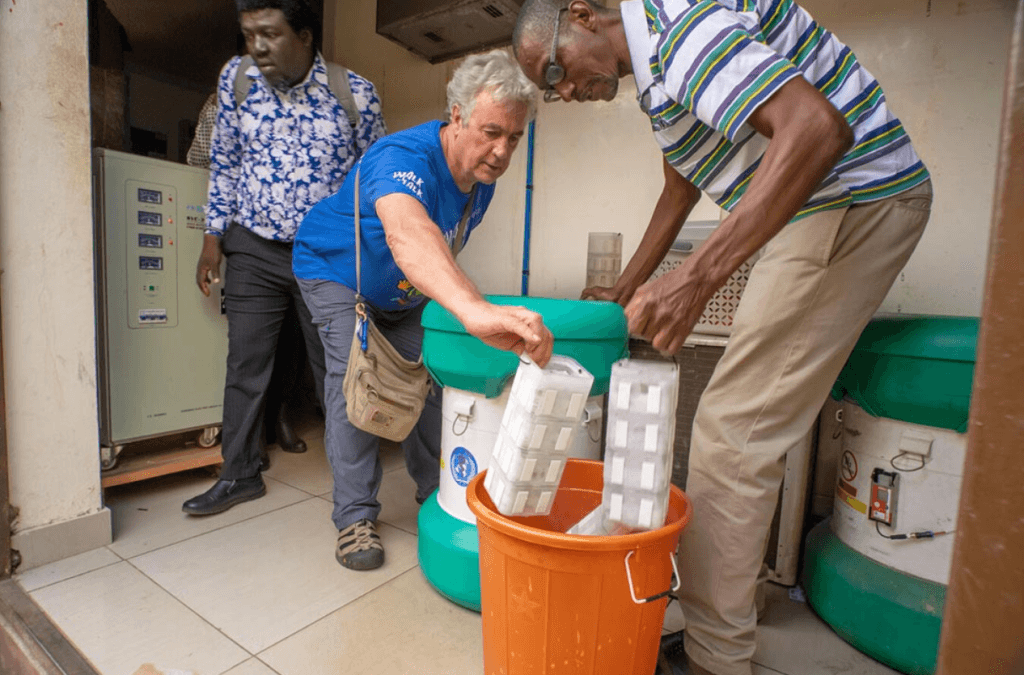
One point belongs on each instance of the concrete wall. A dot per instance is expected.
(47, 281)
(158, 105)
(941, 63)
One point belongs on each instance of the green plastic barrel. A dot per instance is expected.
(892, 617)
(593, 333)
(916, 369)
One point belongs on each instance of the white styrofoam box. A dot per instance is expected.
(644, 510)
(516, 498)
(648, 474)
(537, 433)
(592, 524)
(540, 434)
(559, 390)
(596, 524)
(639, 442)
(538, 468)
(644, 388)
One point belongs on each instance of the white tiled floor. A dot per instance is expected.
(256, 590)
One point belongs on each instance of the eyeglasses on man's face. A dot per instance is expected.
(554, 73)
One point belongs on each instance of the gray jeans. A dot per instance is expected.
(353, 453)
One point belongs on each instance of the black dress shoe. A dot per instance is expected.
(286, 436)
(224, 494)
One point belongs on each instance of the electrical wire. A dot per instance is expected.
(924, 534)
(892, 462)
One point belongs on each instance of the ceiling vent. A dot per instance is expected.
(439, 30)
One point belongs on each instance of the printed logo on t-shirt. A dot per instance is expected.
(410, 180)
(408, 293)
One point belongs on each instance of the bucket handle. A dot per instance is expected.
(659, 596)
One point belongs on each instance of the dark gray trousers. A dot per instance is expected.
(259, 289)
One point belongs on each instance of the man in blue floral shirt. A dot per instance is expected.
(283, 141)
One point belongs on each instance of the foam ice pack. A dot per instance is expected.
(638, 443)
(541, 419)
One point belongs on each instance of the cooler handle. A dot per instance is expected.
(659, 596)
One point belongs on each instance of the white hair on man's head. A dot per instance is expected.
(495, 72)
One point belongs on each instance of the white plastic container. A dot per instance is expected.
(539, 426)
(593, 524)
(604, 258)
(470, 432)
(639, 441)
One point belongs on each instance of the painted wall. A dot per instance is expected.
(158, 105)
(942, 65)
(46, 254)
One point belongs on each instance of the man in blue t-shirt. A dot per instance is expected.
(414, 189)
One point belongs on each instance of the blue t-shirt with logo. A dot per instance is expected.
(410, 162)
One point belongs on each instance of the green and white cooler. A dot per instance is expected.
(877, 570)
(476, 380)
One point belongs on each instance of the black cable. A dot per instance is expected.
(892, 462)
(924, 534)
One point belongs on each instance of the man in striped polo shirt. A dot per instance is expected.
(755, 104)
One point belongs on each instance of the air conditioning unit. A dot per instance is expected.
(439, 30)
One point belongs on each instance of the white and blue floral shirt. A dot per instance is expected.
(279, 152)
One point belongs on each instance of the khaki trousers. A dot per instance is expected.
(808, 298)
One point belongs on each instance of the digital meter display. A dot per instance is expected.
(147, 262)
(149, 218)
(151, 196)
(151, 241)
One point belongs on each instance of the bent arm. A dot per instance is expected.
(421, 252)
(423, 255)
(808, 137)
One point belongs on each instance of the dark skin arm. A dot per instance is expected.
(808, 137)
(208, 267)
(678, 198)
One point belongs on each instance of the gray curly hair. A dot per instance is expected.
(495, 72)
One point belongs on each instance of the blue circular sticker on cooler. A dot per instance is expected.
(463, 465)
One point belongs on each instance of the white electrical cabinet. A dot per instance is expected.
(162, 343)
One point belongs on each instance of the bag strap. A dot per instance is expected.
(460, 231)
(456, 245)
(337, 82)
(242, 81)
(359, 288)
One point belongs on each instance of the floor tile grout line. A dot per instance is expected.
(400, 528)
(771, 671)
(199, 616)
(73, 576)
(261, 662)
(307, 498)
(337, 609)
(294, 487)
(233, 641)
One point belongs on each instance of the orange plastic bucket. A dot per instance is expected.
(571, 604)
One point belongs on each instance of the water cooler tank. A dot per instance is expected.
(877, 570)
